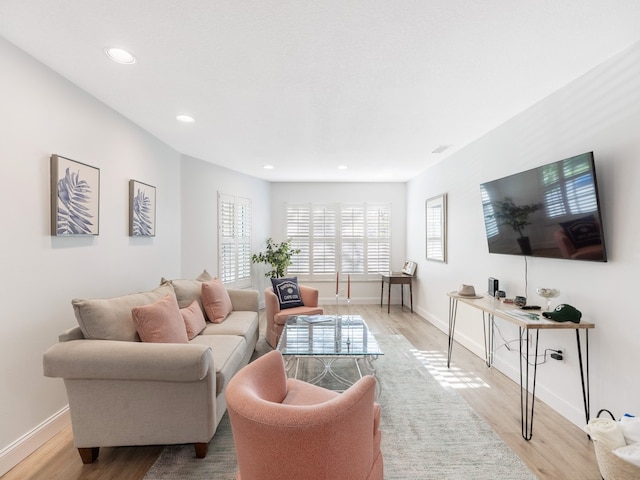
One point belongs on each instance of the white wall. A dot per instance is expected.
(44, 114)
(201, 182)
(599, 112)
(393, 193)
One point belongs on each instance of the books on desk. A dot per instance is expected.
(526, 316)
(317, 318)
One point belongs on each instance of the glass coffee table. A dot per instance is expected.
(327, 339)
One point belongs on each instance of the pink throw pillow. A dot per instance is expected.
(215, 300)
(160, 322)
(193, 319)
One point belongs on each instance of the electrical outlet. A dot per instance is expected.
(559, 354)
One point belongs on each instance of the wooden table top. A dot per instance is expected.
(529, 319)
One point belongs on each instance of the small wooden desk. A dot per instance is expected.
(400, 279)
(494, 308)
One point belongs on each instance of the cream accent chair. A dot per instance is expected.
(289, 429)
(276, 318)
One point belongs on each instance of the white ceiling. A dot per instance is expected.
(309, 85)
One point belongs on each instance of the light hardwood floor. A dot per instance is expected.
(559, 450)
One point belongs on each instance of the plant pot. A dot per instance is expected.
(525, 245)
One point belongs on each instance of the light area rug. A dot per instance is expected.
(428, 431)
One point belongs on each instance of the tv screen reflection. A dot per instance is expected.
(550, 211)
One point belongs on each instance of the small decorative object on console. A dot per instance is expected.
(466, 291)
(548, 293)
(520, 301)
(493, 286)
(409, 267)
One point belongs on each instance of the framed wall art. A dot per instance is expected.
(436, 228)
(75, 197)
(142, 210)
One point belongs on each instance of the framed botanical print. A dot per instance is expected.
(142, 209)
(75, 197)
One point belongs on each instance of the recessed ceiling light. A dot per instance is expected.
(342, 167)
(119, 55)
(184, 118)
(268, 167)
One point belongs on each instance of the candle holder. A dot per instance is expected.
(348, 323)
(337, 306)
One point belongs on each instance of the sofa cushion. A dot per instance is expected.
(160, 321)
(215, 300)
(228, 353)
(188, 290)
(287, 291)
(110, 318)
(193, 317)
(237, 323)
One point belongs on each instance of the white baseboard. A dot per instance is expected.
(24, 446)
(326, 301)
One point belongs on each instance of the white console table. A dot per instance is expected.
(491, 309)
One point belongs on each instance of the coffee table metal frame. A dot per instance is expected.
(328, 338)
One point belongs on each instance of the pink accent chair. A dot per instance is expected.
(289, 429)
(276, 318)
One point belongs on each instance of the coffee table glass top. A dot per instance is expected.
(317, 335)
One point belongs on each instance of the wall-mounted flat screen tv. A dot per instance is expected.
(551, 211)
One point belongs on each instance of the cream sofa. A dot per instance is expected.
(123, 391)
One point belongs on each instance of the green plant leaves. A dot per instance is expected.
(278, 255)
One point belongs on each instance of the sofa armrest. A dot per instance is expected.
(73, 333)
(271, 303)
(110, 359)
(244, 300)
(309, 295)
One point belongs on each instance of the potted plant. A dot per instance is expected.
(508, 213)
(278, 255)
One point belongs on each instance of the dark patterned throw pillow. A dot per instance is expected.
(287, 291)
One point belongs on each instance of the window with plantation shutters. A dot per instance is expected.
(353, 239)
(323, 239)
(350, 238)
(299, 232)
(234, 240)
(378, 239)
